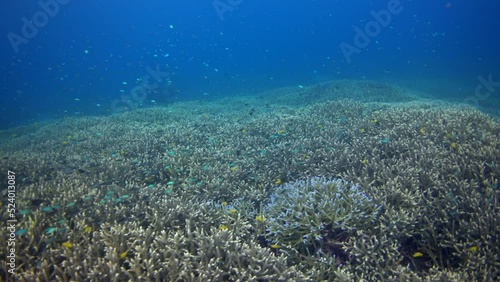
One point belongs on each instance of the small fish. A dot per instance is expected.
(124, 255)
(223, 227)
(418, 255)
(21, 232)
(50, 230)
(68, 245)
(24, 212)
(48, 209)
(260, 218)
(473, 248)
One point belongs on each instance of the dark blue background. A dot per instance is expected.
(437, 46)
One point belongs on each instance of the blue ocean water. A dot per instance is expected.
(68, 58)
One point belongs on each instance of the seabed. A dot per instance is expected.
(340, 181)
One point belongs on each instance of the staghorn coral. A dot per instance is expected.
(98, 196)
(301, 214)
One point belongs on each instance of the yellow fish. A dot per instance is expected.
(418, 255)
(473, 248)
(67, 245)
(259, 218)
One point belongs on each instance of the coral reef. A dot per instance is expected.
(343, 181)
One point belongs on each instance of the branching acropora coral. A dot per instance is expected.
(301, 213)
